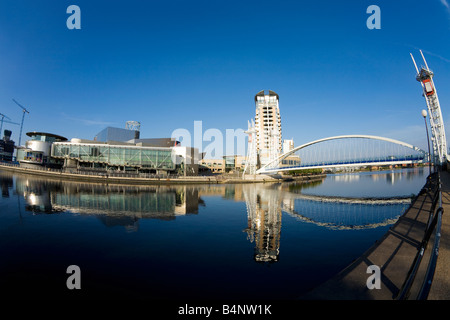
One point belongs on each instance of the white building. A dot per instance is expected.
(288, 145)
(267, 126)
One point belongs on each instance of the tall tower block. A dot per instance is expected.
(267, 126)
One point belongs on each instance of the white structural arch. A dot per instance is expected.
(268, 166)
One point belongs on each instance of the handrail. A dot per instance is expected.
(426, 286)
(434, 225)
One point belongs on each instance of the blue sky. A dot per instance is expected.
(170, 63)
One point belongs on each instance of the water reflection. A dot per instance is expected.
(114, 205)
(266, 205)
(6, 183)
(264, 222)
(404, 182)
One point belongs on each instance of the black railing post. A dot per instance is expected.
(435, 221)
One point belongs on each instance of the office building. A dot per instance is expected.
(288, 145)
(121, 151)
(213, 165)
(291, 160)
(126, 156)
(6, 147)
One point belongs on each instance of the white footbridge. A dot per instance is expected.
(359, 150)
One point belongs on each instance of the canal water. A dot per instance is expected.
(236, 241)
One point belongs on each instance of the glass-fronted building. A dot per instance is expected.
(115, 156)
(37, 150)
(116, 134)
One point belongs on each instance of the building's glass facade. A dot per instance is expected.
(115, 155)
(116, 134)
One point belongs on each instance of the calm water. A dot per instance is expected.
(261, 241)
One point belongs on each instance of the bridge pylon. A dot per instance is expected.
(252, 156)
(439, 141)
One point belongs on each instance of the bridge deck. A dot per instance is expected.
(394, 253)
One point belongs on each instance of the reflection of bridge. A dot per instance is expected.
(347, 216)
(347, 151)
(265, 205)
(344, 213)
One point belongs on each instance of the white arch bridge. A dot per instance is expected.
(346, 151)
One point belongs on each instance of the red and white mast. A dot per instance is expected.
(425, 77)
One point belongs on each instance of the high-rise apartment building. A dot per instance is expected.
(267, 126)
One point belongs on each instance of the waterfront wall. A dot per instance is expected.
(122, 178)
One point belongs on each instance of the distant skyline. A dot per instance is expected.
(168, 64)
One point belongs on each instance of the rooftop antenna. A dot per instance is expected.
(23, 116)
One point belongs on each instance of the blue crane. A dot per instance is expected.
(3, 120)
(23, 116)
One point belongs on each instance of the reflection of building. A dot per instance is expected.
(187, 200)
(6, 183)
(268, 126)
(264, 223)
(113, 204)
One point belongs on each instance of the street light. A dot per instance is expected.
(424, 115)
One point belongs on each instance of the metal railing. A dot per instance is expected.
(433, 227)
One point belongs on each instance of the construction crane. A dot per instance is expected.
(23, 116)
(3, 120)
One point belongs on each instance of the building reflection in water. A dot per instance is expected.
(114, 205)
(6, 183)
(121, 205)
(264, 222)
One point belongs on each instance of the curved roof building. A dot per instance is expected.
(45, 136)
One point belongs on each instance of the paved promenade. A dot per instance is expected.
(440, 290)
(394, 254)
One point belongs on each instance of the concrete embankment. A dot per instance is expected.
(114, 179)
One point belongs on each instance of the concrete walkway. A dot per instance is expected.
(394, 254)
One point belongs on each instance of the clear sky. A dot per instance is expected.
(170, 63)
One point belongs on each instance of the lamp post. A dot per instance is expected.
(424, 115)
